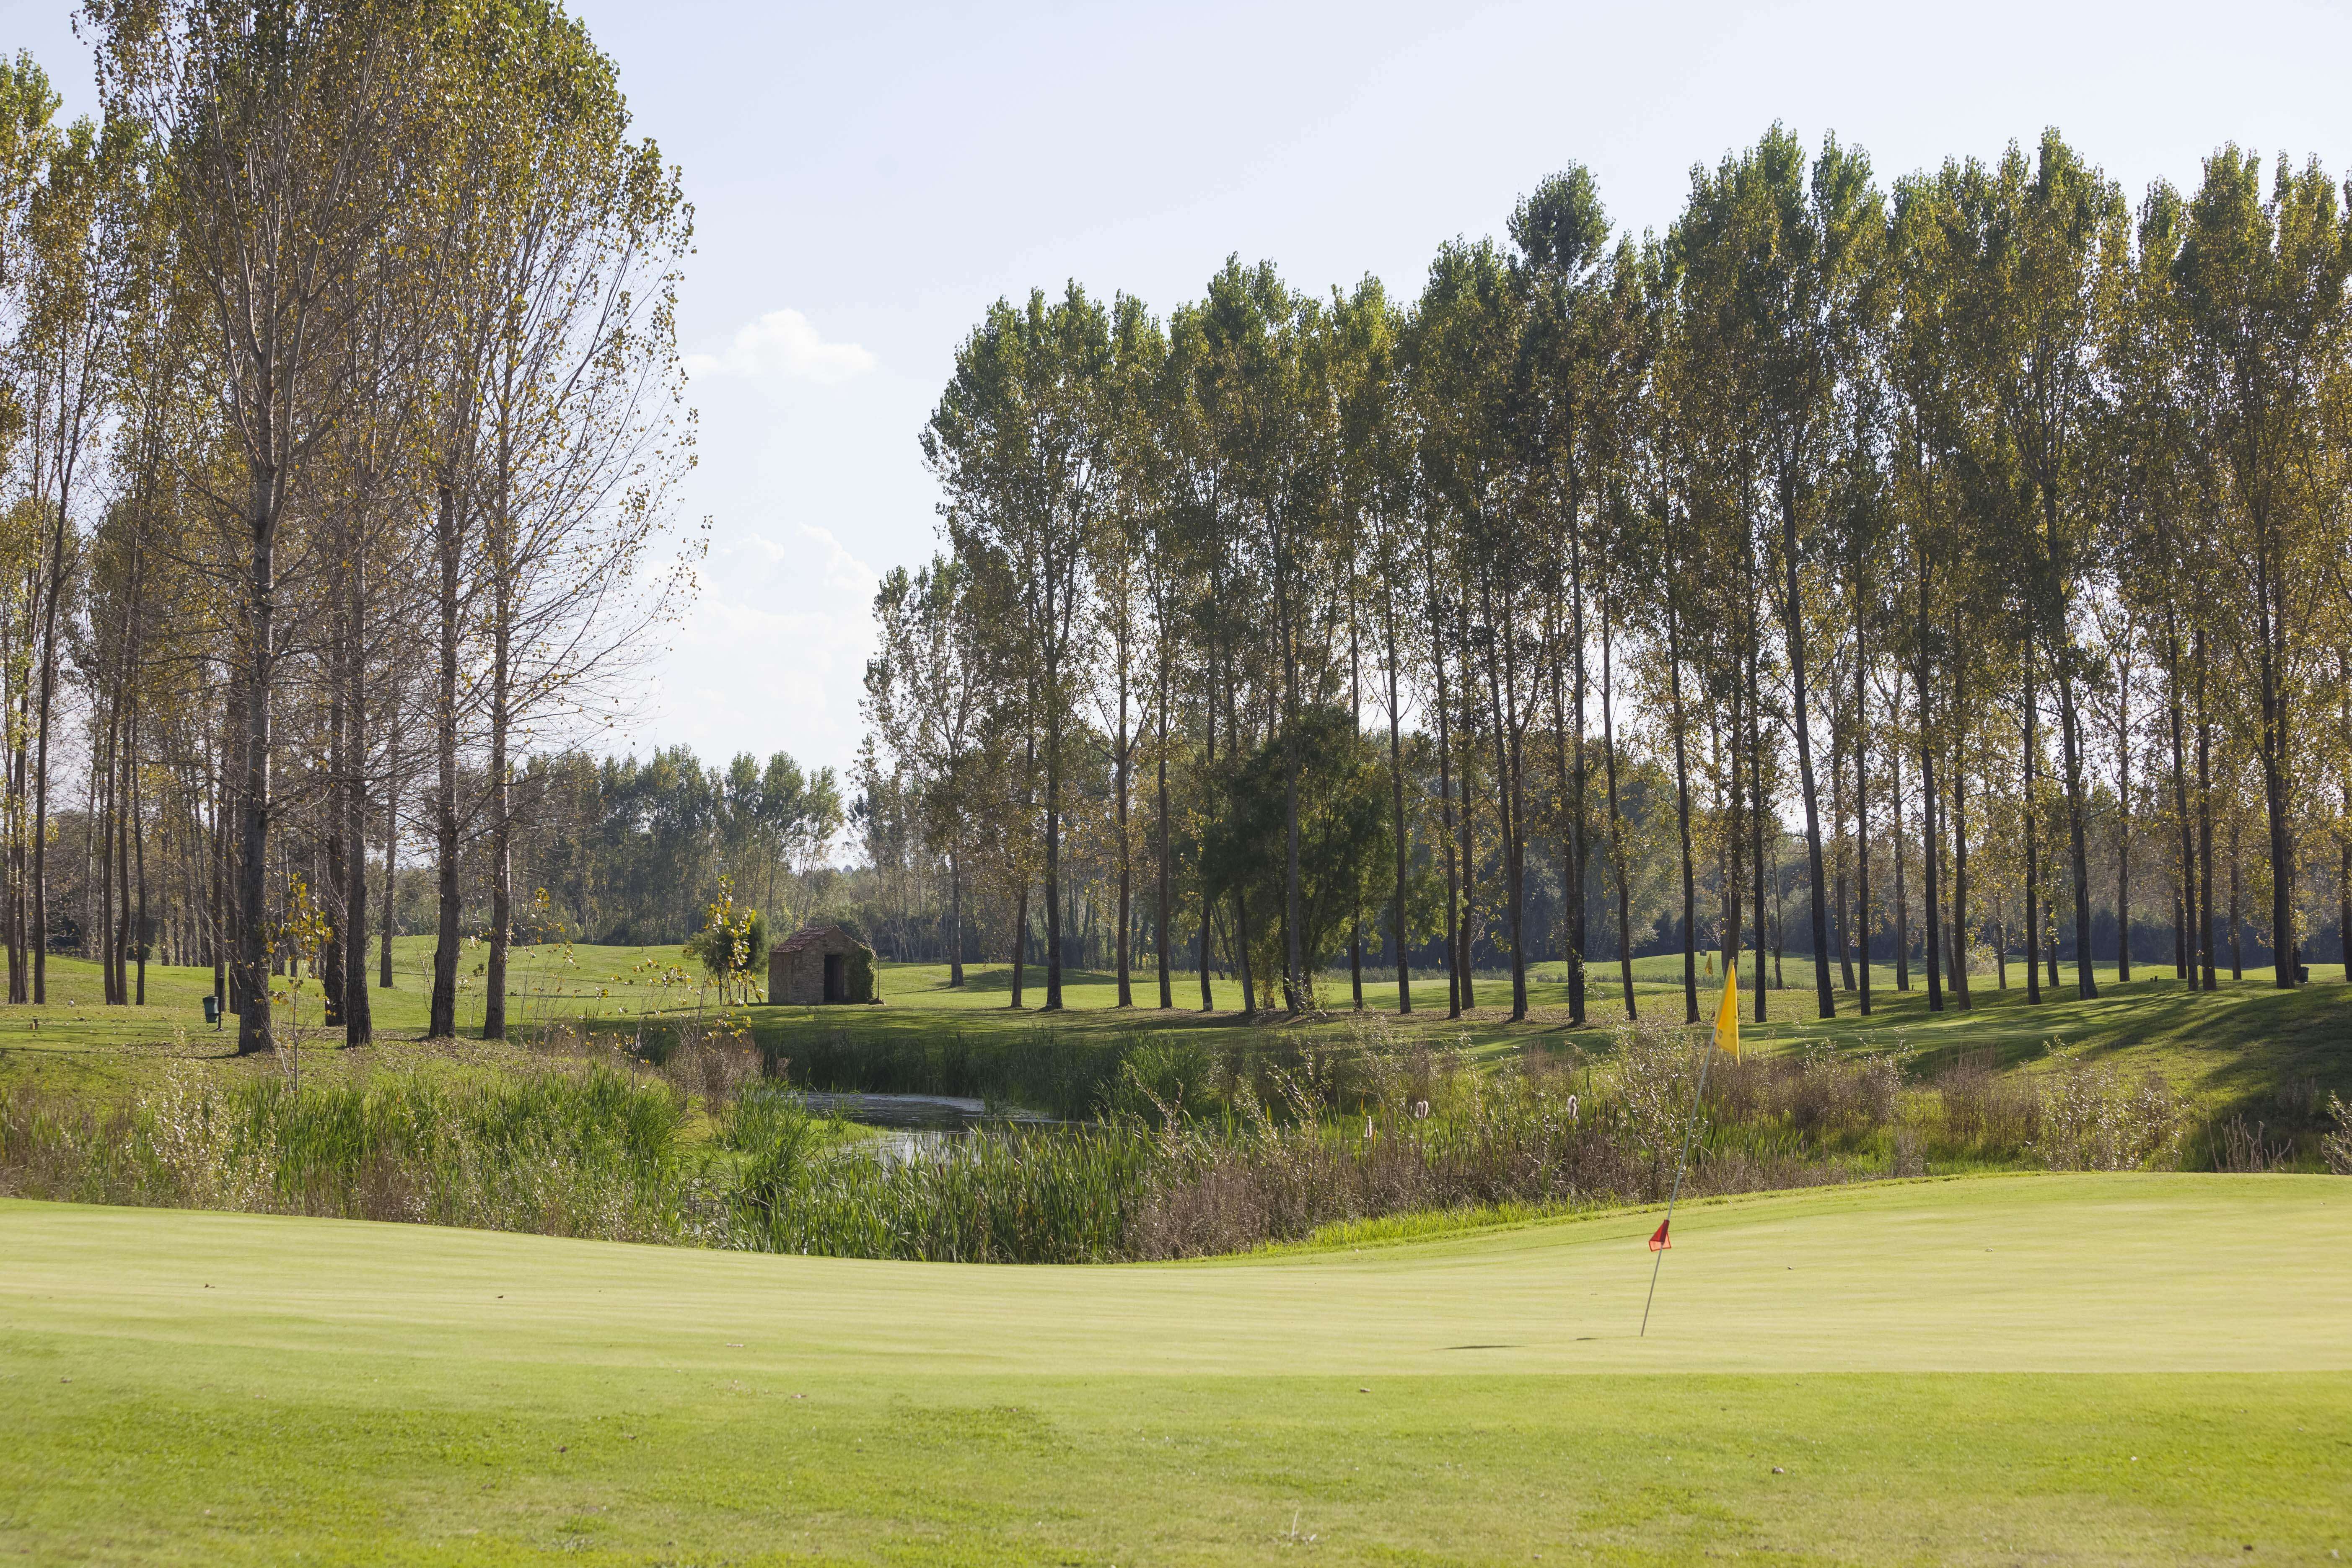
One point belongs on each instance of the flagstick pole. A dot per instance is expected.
(1689, 1128)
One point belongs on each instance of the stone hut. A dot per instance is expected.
(819, 964)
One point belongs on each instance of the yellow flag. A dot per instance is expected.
(1727, 1014)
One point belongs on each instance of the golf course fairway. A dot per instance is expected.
(2047, 1369)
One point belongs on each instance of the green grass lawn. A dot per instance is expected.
(2246, 1044)
(2021, 1369)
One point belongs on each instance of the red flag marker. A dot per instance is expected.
(1658, 1242)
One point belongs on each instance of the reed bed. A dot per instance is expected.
(1189, 1150)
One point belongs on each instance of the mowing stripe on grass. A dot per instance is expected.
(2108, 1273)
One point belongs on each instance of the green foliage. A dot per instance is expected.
(732, 945)
(860, 979)
(1344, 835)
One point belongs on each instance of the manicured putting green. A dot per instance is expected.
(2061, 1368)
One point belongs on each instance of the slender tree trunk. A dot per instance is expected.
(1122, 956)
(1454, 1002)
(217, 764)
(1960, 911)
(2204, 821)
(443, 1021)
(1863, 921)
(1759, 842)
(336, 891)
(2184, 947)
(2032, 751)
(1469, 759)
(1355, 734)
(1160, 930)
(1294, 974)
(1819, 891)
(391, 860)
(502, 794)
(2237, 915)
(2123, 840)
(2277, 793)
(260, 631)
(48, 683)
(103, 935)
(2086, 984)
(1397, 932)
(1927, 847)
(139, 852)
(1616, 820)
(1683, 811)
(1841, 908)
(1727, 805)
(1053, 836)
(1578, 844)
(1902, 894)
(359, 1020)
(1020, 942)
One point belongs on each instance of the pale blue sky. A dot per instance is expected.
(884, 174)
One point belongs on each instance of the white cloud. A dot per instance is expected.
(784, 345)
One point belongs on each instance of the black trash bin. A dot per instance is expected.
(212, 1011)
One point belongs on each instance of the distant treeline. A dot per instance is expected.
(1941, 568)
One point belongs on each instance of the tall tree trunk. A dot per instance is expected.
(2237, 914)
(1616, 820)
(358, 1014)
(1795, 621)
(1160, 930)
(1902, 893)
(1501, 683)
(1020, 941)
(1445, 799)
(2184, 947)
(1294, 968)
(2033, 752)
(1863, 922)
(1928, 846)
(2087, 984)
(1397, 934)
(260, 631)
(2204, 819)
(1959, 909)
(1469, 756)
(1121, 956)
(2278, 789)
(501, 801)
(1758, 841)
(1355, 734)
(1727, 805)
(443, 1022)
(336, 892)
(2123, 837)
(139, 853)
(1208, 894)
(390, 859)
(1683, 811)
(54, 591)
(219, 934)
(1052, 837)
(1577, 844)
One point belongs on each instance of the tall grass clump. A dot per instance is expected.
(588, 1153)
(999, 1196)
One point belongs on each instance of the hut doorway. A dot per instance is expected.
(835, 975)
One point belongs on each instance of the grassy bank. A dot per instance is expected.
(2048, 1369)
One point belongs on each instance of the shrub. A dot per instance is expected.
(2336, 1147)
(2092, 1120)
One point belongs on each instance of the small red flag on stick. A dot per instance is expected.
(1658, 1242)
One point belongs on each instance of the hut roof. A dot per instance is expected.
(808, 936)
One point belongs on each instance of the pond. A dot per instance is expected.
(920, 1125)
